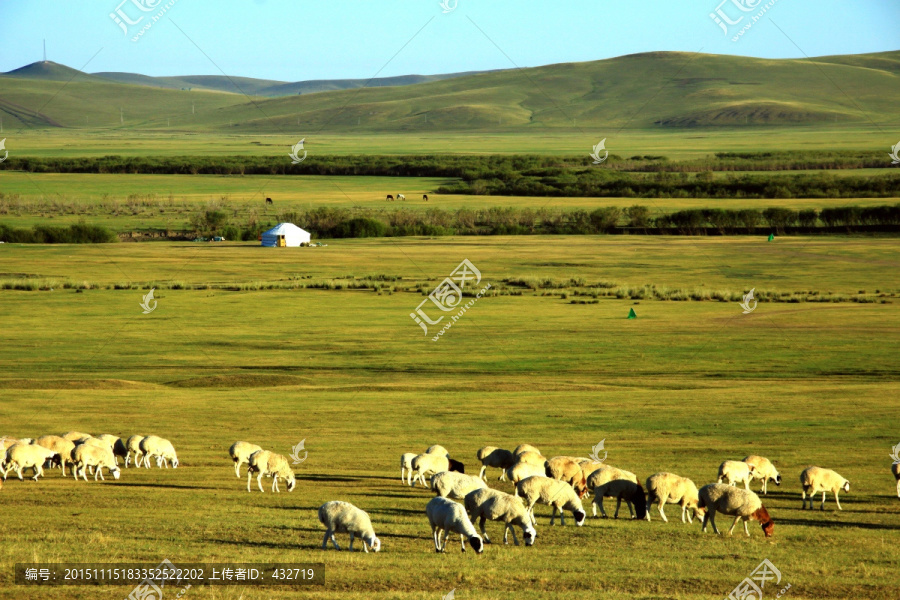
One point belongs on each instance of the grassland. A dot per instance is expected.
(682, 387)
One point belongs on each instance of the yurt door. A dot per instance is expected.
(281, 241)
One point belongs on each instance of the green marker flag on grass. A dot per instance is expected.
(771, 237)
(631, 314)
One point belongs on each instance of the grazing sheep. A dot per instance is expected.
(24, 456)
(450, 517)
(531, 457)
(668, 487)
(449, 484)
(604, 474)
(430, 464)
(438, 449)
(499, 506)
(343, 517)
(520, 471)
(269, 463)
(552, 492)
(622, 489)
(566, 469)
(76, 436)
(457, 466)
(89, 455)
(118, 446)
(763, 469)
(240, 453)
(401, 197)
(525, 448)
(733, 501)
(497, 458)
(406, 467)
(61, 446)
(162, 449)
(895, 469)
(133, 445)
(5, 443)
(816, 479)
(736, 471)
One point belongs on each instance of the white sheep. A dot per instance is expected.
(622, 489)
(531, 457)
(495, 505)
(343, 517)
(406, 469)
(76, 436)
(61, 446)
(117, 444)
(268, 463)
(763, 469)
(90, 455)
(733, 501)
(240, 453)
(449, 484)
(21, 456)
(133, 445)
(895, 469)
(525, 448)
(816, 479)
(450, 517)
(498, 458)
(438, 449)
(736, 471)
(5, 444)
(520, 471)
(162, 449)
(668, 487)
(428, 464)
(552, 492)
(603, 475)
(566, 468)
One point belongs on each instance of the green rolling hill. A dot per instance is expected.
(650, 90)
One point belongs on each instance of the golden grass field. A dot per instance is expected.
(681, 388)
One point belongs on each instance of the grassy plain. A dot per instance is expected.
(682, 387)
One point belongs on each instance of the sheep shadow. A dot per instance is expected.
(269, 545)
(167, 486)
(831, 524)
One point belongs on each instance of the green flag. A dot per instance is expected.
(631, 314)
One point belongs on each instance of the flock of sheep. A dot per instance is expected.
(560, 482)
(82, 452)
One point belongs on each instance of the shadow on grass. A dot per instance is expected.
(272, 545)
(829, 524)
(165, 485)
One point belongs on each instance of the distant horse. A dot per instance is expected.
(269, 201)
(390, 198)
(425, 197)
(401, 197)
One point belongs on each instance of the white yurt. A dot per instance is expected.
(285, 235)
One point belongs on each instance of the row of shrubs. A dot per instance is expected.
(331, 222)
(79, 233)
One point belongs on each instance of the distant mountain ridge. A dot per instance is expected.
(648, 90)
(51, 71)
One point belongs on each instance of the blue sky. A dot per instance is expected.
(293, 40)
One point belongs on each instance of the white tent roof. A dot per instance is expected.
(285, 229)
